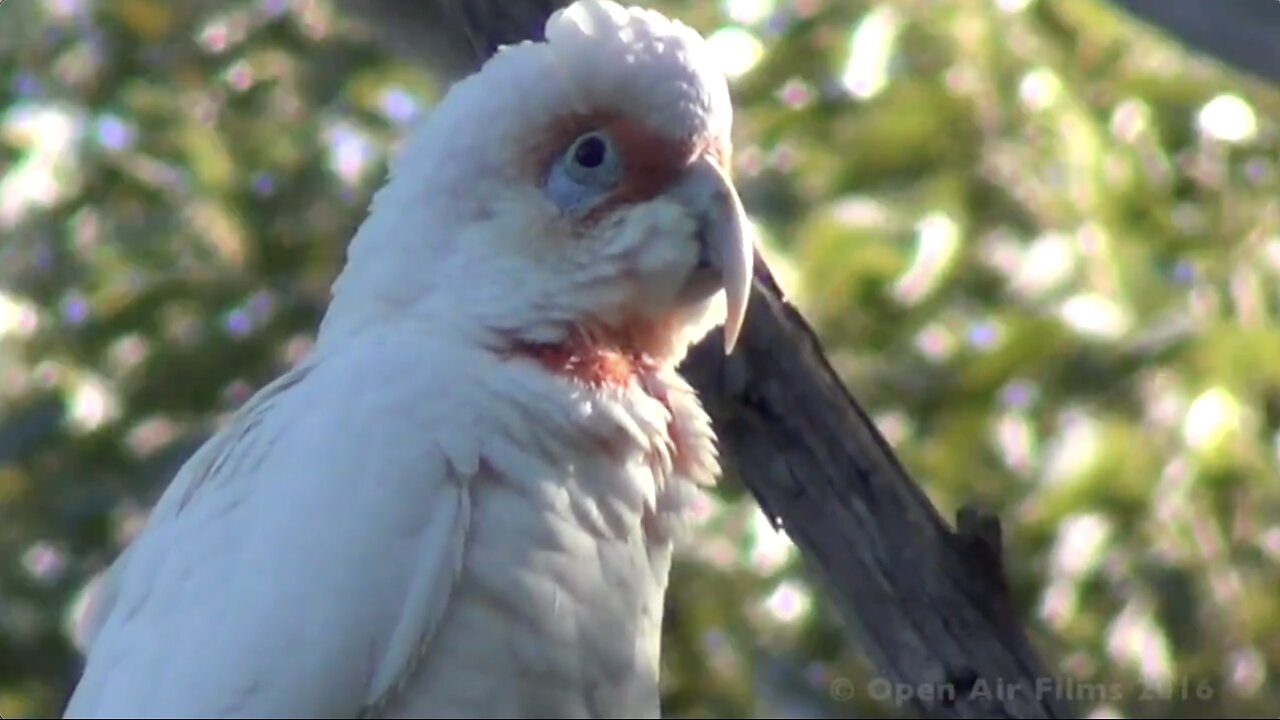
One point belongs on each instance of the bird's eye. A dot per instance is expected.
(591, 159)
(591, 152)
(588, 170)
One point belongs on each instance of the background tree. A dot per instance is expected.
(1039, 243)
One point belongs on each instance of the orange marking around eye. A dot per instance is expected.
(651, 162)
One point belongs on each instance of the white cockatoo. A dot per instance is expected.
(464, 501)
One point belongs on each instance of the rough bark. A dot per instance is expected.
(1240, 33)
(929, 604)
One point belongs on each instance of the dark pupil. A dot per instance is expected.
(590, 152)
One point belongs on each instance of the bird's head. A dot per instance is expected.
(573, 197)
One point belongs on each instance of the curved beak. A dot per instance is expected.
(725, 252)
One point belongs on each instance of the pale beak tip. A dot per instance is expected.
(730, 338)
(708, 189)
(737, 296)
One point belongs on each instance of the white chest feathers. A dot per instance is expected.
(579, 497)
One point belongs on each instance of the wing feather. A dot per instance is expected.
(300, 561)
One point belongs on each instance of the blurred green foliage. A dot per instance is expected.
(1040, 243)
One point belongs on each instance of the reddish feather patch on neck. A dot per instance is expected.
(600, 361)
(592, 359)
(597, 367)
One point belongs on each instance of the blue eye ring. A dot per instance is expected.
(585, 173)
(593, 160)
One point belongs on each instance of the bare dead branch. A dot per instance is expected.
(1239, 33)
(930, 605)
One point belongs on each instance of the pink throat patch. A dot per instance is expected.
(597, 365)
(596, 362)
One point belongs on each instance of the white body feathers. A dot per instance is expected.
(510, 531)
(464, 502)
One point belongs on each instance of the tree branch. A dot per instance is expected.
(930, 605)
(1239, 33)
